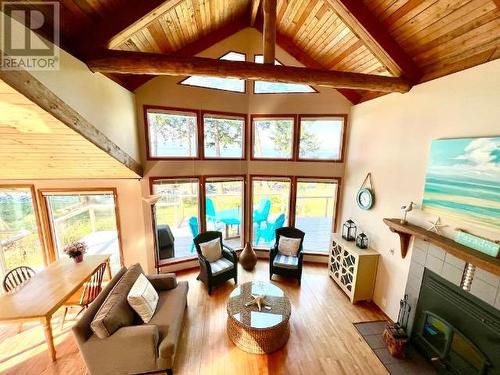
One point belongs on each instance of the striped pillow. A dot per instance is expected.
(143, 298)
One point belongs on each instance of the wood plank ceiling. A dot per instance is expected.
(439, 36)
(35, 145)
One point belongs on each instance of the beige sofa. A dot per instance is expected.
(138, 348)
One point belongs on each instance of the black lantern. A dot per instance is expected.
(362, 241)
(349, 230)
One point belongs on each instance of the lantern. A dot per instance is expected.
(349, 230)
(362, 241)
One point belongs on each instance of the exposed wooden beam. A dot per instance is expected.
(148, 63)
(131, 17)
(364, 24)
(254, 9)
(269, 31)
(34, 90)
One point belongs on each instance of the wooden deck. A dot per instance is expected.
(323, 339)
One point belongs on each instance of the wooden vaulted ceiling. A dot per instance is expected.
(419, 39)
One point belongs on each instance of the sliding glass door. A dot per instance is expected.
(271, 208)
(315, 212)
(20, 243)
(177, 216)
(88, 217)
(224, 208)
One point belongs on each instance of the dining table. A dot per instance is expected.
(42, 295)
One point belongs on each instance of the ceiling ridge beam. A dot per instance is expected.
(377, 39)
(23, 82)
(157, 64)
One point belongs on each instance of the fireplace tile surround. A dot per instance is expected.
(485, 285)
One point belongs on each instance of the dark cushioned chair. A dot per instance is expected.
(283, 265)
(213, 273)
(165, 242)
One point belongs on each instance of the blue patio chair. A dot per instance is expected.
(210, 210)
(261, 214)
(195, 229)
(268, 233)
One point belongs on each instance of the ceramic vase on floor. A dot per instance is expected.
(248, 258)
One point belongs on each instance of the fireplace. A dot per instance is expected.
(456, 331)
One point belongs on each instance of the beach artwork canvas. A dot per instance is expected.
(463, 181)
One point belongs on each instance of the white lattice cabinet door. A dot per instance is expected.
(352, 268)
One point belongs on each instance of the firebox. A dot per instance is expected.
(457, 332)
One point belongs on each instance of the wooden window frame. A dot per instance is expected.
(38, 221)
(280, 93)
(243, 116)
(293, 156)
(201, 180)
(342, 140)
(181, 82)
(198, 137)
(67, 191)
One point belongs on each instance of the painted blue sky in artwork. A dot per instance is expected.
(475, 158)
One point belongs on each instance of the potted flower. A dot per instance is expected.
(76, 250)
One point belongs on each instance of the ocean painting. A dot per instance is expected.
(463, 181)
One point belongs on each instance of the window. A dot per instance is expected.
(225, 84)
(315, 212)
(177, 216)
(19, 234)
(271, 204)
(273, 137)
(263, 87)
(172, 133)
(224, 136)
(85, 217)
(321, 138)
(224, 208)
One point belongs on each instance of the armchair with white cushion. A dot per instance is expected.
(285, 258)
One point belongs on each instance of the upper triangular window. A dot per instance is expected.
(226, 84)
(263, 87)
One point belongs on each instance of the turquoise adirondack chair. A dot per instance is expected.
(268, 232)
(195, 229)
(261, 214)
(211, 211)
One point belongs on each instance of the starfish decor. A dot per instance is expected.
(260, 301)
(436, 225)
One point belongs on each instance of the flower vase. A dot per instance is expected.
(248, 257)
(78, 259)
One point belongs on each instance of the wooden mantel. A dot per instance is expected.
(405, 231)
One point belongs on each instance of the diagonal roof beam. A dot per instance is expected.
(378, 40)
(117, 28)
(254, 9)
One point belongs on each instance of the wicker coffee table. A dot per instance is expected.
(257, 331)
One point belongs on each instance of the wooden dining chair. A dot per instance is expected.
(86, 294)
(14, 279)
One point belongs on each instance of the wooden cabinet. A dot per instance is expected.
(352, 268)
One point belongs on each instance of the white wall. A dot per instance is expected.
(391, 137)
(101, 101)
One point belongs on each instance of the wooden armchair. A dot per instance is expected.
(283, 265)
(213, 273)
(14, 279)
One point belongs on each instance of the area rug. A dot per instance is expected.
(414, 363)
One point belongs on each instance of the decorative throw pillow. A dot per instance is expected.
(289, 246)
(143, 298)
(212, 250)
(115, 312)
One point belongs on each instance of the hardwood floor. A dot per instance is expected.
(322, 340)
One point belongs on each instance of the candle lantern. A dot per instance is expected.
(349, 230)
(362, 241)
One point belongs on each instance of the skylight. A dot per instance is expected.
(226, 84)
(264, 87)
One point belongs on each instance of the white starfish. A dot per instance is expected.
(260, 301)
(436, 225)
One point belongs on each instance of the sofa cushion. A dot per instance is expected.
(289, 246)
(168, 318)
(115, 312)
(143, 298)
(284, 261)
(212, 250)
(221, 265)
